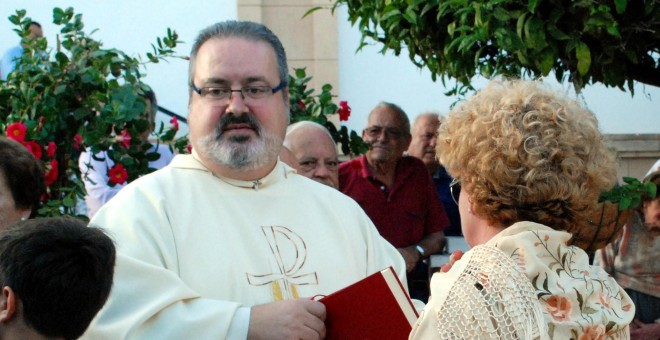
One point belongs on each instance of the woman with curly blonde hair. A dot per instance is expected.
(529, 164)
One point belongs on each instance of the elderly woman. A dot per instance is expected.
(21, 183)
(530, 164)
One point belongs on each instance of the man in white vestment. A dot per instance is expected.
(230, 243)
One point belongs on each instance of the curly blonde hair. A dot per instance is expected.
(526, 153)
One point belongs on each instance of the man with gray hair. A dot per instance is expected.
(397, 193)
(312, 145)
(424, 137)
(229, 243)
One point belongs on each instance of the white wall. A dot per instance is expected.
(368, 77)
(131, 26)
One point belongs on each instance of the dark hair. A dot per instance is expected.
(35, 23)
(242, 29)
(60, 269)
(24, 174)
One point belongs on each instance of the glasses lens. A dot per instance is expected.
(455, 190)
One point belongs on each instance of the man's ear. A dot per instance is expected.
(7, 304)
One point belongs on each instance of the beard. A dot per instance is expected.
(245, 153)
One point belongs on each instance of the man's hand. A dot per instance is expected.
(455, 256)
(411, 256)
(288, 319)
(640, 330)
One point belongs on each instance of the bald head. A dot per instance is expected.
(316, 152)
(424, 135)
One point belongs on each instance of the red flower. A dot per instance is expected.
(51, 175)
(175, 123)
(124, 139)
(16, 131)
(117, 174)
(189, 148)
(34, 148)
(344, 111)
(51, 149)
(301, 103)
(77, 141)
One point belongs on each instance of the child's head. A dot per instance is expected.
(55, 274)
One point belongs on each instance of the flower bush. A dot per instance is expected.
(80, 95)
(307, 106)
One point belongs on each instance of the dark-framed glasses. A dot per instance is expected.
(455, 189)
(224, 93)
(390, 132)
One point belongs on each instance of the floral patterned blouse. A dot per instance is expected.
(577, 300)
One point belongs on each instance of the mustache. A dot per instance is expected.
(245, 118)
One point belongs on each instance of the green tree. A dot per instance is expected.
(613, 42)
(82, 95)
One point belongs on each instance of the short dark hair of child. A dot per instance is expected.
(60, 269)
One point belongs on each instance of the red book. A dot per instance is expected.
(376, 307)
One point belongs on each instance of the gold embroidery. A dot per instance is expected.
(284, 283)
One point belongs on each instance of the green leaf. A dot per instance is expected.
(625, 203)
(620, 5)
(68, 202)
(583, 55)
(531, 5)
(579, 298)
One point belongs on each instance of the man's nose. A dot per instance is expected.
(236, 103)
(322, 171)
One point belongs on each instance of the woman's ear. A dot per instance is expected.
(7, 304)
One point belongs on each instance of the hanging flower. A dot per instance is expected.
(117, 174)
(51, 149)
(189, 148)
(77, 141)
(16, 131)
(344, 111)
(175, 123)
(52, 172)
(301, 104)
(124, 139)
(34, 148)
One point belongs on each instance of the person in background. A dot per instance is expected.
(424, 137)
(288, 158)
(55, 274)
(634, 261)
(312, 145)
(531, 164)
(228, 242)
(21, 183)
(397, 193)
(8, 62)
(94, 168)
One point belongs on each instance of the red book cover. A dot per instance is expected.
(376, 307)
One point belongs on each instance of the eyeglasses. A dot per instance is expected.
(455, 189)
(224, 93)
(390, 133)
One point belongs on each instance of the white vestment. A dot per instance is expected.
(195, 251)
